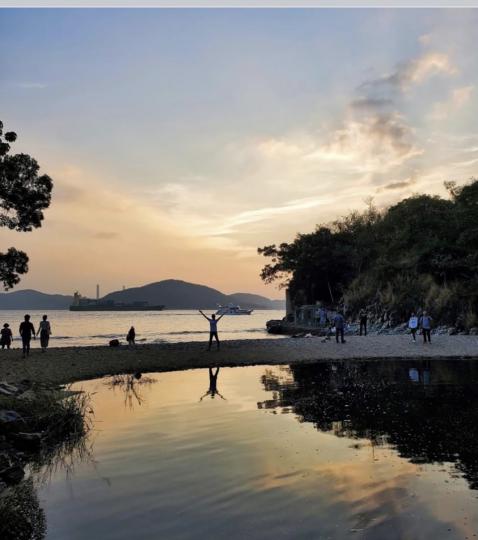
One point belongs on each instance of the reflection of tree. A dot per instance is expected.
(130, 385)
(431, 420)
(212, 391)
(21, 515)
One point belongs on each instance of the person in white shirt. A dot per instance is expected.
(413, 325)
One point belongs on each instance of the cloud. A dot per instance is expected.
(32, 85)
(376, 142)
(458, 98)
(366, 103)
(412, 72)
(401, 184)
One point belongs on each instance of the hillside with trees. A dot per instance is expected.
(421, 253)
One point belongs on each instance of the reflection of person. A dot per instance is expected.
(212, 328)
(339, 321)
(426, 324)
(213, 391)
(413, 325)
(131, 336)
(6, 336)
(44, 329)
(27, 330)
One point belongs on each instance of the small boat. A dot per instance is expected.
(233, 309)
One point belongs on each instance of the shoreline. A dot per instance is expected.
(65, 365)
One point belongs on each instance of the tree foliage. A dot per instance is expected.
(24, 195)
(419, 253)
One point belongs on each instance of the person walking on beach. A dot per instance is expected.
(212, 328)
(339, 321)
(27, 330)
(426, 326)
(413, 325)
(44, 329)
(131, 337)
(5, 336)
(363, 316)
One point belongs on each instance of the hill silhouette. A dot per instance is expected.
(174, 294)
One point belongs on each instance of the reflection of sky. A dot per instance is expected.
(197, 135)
(175, 467)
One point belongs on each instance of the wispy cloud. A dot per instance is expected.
(413, 71)
(458, 98)
(32, 85)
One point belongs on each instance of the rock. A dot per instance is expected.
(452, 331)
(10, 420)
(13, 474)
(30, 441)
(28, 395)
(474, 331)
(114, 343)
(8, 389)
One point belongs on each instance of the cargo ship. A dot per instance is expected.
(81, 303)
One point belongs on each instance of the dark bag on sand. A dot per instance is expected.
(114, 343)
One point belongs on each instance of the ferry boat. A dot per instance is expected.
(80, 303)
(233, 309)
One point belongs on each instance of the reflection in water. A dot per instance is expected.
(212, 391)
(130, 385)
(427, 411)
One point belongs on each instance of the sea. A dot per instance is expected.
(73, 328)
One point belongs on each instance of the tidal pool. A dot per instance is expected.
(376, 450)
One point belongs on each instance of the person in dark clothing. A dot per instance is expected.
(27, 330)
(212, 328)
(339, 321)
(363, 316)
(426, 326)
(131, 337)
(6, 336)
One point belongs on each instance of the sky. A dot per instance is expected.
(181, 140)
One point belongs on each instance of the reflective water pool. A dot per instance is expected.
(376, 450)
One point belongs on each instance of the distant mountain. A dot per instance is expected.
(173, 293)
(176, 294)
(256, 301)
(30, 299)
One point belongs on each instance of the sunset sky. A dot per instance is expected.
(181, 140)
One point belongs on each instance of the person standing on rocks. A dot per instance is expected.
(27, 330)
(413, 325)
(363, 316)
(5, 336)
(44, 329)
(212, 328)
(426, 326)
(130, 338)
(339, 322)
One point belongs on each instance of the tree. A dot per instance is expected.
(24, 194)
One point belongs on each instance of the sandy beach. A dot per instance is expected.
(65, 365)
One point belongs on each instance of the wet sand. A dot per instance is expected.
(64, 365)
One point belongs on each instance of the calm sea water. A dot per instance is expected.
(71, 328)
(377, 450)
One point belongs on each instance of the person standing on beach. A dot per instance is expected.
(339, 321)
(27, 330)
(363, 316)
(6, 336)
(212, 328)
(426, 326)
(413, 325)
(131, 337)
(44, 329)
